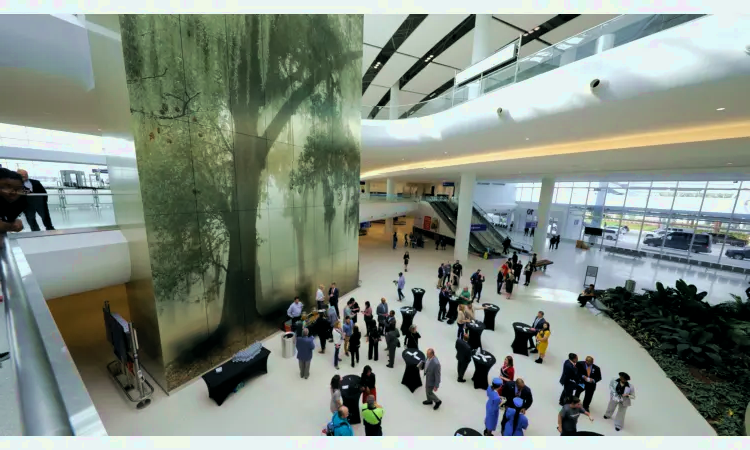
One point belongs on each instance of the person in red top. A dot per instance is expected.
(504, 269)
(507, 372)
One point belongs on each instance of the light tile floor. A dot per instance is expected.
(280, 404)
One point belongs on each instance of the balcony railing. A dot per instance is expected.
(611, 34)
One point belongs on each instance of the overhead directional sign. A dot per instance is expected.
(478, 227)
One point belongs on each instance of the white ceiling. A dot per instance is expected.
(458, 56)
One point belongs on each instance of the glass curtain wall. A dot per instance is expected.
(707, 222)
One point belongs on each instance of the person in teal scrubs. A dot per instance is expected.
(517, 421)
(492, 413)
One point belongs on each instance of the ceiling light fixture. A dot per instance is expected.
(720, 109)
(536, 29)
(526, 34)
(729, 164)
(527, 139)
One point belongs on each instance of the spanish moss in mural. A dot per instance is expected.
(247, 137)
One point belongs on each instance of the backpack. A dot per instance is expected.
(331, 428)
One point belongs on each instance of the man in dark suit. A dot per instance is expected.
(463, 355)
(333, 298)
(569, 378)
(443, 299)
(513, 389)
(35, 204)
(590, 375)
(535, 327)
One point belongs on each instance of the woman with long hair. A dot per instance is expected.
(368, 313)
(406, 261)
(507, 372)
(516, 421)
(336, 401)
(542, 340)
(354, 343)
(367, 382)
(621, 392)
(509, 282)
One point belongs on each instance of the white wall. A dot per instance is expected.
(425, 209)
(382, 210)
(73, 263)
(495, 196)
(569, 221)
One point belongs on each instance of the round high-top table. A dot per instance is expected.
(418, 293)
(452, 309)
(407, 314)
(467, 432)
(412, 358)
(520, 344)
(483, 362)
(475, 333)
(350, 395)
(489, 315)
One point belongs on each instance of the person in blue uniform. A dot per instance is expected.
(492, 408)
(516, 421)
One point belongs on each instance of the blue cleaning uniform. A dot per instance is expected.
(492, 413)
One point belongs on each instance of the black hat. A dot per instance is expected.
(624, 375)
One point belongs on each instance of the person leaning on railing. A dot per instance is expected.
(13, 201)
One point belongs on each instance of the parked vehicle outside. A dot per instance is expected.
(743, 253)
(734, 241)
(701, 243)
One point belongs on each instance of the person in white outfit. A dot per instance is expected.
(319, 297)
(621, 392)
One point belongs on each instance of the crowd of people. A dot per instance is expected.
(508, 397)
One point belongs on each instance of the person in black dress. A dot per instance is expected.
(373, 337)
(411, 340)
(443, 299)
(509, 281)
(367, 384)
(354, 341)
(406, 261)
(517, 269)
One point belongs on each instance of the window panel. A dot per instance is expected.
(578, 196)
(661, 199)
(719, 200)
(724, 184)
(563, 195)
(615, 197)
(535, 194)
(637, 198)
(581, 184)
(526, 195)
(688, 200)
(742, 210)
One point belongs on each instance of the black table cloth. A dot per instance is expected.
(520, 344)
(475, 333)
(412, 358)
(221, 384)
(407, 318)
(350, 394)
(452, 309)
(418, 293)
(483, 362)
(489, 315)
(467, 432)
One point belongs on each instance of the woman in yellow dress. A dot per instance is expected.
(542, 339)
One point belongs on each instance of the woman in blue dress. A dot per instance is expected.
(517, 421)
(492, 412)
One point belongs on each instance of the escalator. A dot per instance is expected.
(493, 232)
(448, 215)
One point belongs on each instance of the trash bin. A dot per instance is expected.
(630, 285)
(287, 345)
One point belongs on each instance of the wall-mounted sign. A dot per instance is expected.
(531, 224)
(478, 227)
(448, 184)
(529, 212)
(426, 223)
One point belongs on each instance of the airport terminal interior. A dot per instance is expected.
(170, 184)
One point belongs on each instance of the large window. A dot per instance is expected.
(28, 137)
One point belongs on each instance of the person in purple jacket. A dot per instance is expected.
(305, 347)
(400, 285)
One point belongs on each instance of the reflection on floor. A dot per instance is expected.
(76, 217)
(281, 404)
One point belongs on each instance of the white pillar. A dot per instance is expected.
(367, 189)
(482, 47)
(390, 189)
(456, 190)
(605, 42)
(463, 221)
(393, 111)
(545, 202)
(569, 56)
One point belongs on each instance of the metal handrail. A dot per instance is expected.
(43, 411)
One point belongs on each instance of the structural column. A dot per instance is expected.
(367, 189)
(393, 111)
(605, 42)
(482, 47)
(390, 189)
(463, 221)
(545, 202)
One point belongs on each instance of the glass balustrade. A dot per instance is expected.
(76, 208)
(614, 33)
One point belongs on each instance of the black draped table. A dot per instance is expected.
(467, 432)
(452, 309)
(223, 380)
(418, 294)
(489, 315)
(407, 314)
(483, 362)
(350, 394)
(520, 344)
(412, 378)
(475, 333)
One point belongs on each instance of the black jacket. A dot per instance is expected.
(391, 339)
(463, 350)
(596, 374)
(412, 340)
(335, 292)
(354, 340)
(570, 373)
(443, 297)
(36, 187)
(458, 269)
(372, 333)
(509, 392)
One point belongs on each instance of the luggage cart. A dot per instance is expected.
(126, 370)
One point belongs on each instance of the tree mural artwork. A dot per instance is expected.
(247, 142)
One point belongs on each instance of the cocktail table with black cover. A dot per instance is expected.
(452, 309)
(520, 344)
(467, 432)
(483, 362)
(475, 333)
(350, 395)
(418, 294)
(489, 315)
(412, 358)
(221, 384)
(407, 318)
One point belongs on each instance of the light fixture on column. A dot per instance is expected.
(595, 83)
(499, 111)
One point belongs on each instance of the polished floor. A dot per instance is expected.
(281, 404)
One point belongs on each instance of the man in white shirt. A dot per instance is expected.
(295, 311)
(319, 297)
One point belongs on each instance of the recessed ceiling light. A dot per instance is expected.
(527, 139)
(526, 34)
(445, 153)
(720, 109)
(536, 29)
(729, 164)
